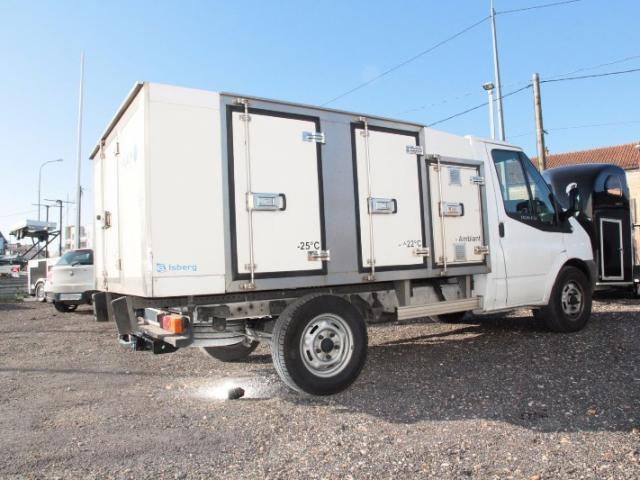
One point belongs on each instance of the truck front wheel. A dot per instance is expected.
(319, 344)
(569, 306)
(231, 353)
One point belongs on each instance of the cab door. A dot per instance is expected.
(531, 236)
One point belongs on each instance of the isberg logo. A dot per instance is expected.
(176, 267)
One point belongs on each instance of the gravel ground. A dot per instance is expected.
(499, 398)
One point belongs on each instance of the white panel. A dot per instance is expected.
(131, 177)
(462, 233)
(283, 163)
(98, 250)
(185, 197)
(393, 175)
(110, 234)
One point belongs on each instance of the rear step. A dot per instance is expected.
(439, 308)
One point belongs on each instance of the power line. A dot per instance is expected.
(595, 75)
(409, 60)
(18, 213)
(573, 127)
(535, 7)
(581, 77)
(439, 44)
(593, 67)
(476, 107)
(515, 84)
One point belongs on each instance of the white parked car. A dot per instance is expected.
(71, 281)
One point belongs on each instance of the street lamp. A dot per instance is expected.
(492, 128)
(40, 181)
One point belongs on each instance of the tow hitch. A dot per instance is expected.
(143, 343)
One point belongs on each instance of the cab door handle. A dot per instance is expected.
(501, 229)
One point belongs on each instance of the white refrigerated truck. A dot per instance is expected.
(224, 220)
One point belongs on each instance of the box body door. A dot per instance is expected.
(276, 203)
(388, 198)
(456, 212)
(611, 249)
(109, 221)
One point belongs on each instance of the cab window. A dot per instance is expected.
(526, 195)
(540, 194)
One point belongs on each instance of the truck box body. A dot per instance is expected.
(190, 192)
(223, 221)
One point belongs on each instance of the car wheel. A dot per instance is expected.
(40, 295)
(319, 344)
(231, 353)
(569, 306)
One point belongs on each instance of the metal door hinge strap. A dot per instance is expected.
(414, 150)
(422, 252)
(477, 180)
(317, 137)
(481, 250)
(314, 255)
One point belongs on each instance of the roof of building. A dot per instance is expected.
(626, 156)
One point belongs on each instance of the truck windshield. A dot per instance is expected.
(77, 257)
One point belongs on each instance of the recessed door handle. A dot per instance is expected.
(501, 229)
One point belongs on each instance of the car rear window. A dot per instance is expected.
(77, 257)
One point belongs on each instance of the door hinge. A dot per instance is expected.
(119, 264)
(481, 250)
(317, 137)
(477, 180)
(315, 255)
(414, 150)
(422, 252)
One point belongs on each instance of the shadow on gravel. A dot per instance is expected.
(510, 370)
(14, 306)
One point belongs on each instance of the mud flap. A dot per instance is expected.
(100, 311)
(122, 312)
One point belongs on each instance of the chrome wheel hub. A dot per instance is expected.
(572, 299)
(326, 345)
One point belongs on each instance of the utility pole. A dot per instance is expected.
(60, 227)
(537, 105)
(496, 65)
(492, 126)
(79, 167)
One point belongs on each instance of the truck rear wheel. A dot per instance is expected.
(231, 353)
(569, 306)
(319, 344)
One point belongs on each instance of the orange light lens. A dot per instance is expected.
(173, 322)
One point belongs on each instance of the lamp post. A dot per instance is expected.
(492, 127)
(40, 181)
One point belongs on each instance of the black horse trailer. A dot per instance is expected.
(605, 211)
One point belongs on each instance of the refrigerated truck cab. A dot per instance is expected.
(224, 220)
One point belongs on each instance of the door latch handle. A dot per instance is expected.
(501, 229)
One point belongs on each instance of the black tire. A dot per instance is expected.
(456, 317)
(64, 307)
(311, 317)
(231, 353)
(561, 314)
(40, 295)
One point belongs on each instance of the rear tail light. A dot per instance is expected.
(174, 323)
